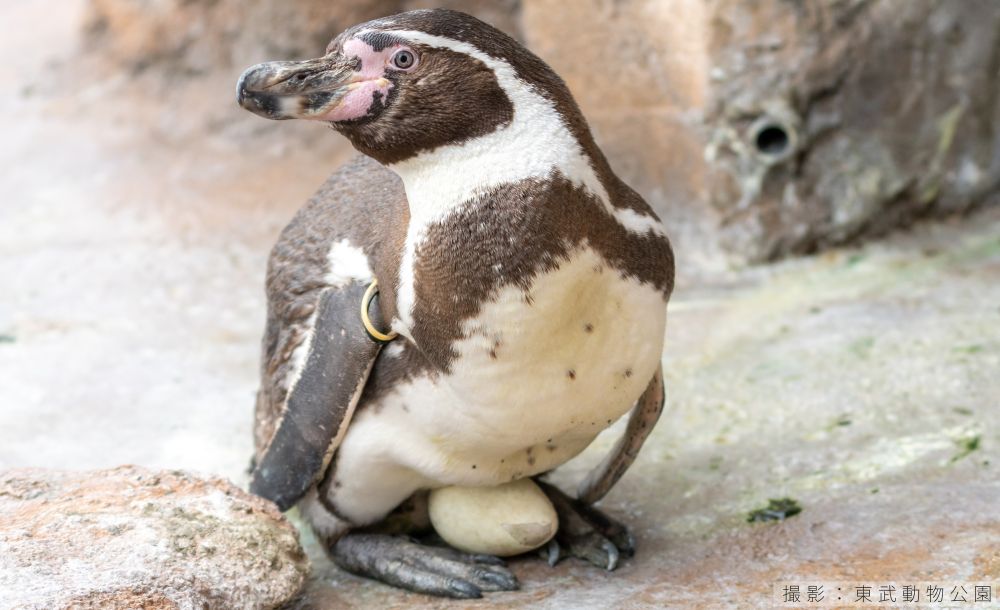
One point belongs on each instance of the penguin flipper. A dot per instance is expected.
(321, 402)
(640, 423)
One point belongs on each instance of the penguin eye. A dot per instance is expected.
(403, 59)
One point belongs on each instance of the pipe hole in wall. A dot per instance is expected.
(772, 140)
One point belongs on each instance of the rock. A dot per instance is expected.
(829, 122)
(130, 537)
(505, 520)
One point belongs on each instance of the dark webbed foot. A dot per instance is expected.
(401, 562)
(586, 532)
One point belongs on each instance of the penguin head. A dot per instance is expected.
(402, 85)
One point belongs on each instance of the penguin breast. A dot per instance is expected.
(571, 353)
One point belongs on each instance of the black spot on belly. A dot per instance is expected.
(588, 327)
(628, 373)
(531, 460)
(571, 374)
(473, 466)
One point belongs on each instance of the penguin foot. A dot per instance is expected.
(404, 563)
(585, 532)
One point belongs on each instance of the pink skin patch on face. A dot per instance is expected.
(369, 79)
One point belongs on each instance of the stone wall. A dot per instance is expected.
(757, 129)
(783, 126)
(829, 121)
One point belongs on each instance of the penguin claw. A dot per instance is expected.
(464, 590)
(498, 581)
(550, 553)
(612, 552)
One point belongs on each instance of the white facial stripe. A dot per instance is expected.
(535, 144)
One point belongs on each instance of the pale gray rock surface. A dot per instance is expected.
(136, 538)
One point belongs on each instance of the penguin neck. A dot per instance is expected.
(532, 146)
(534, 143)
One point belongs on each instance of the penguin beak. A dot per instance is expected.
(306, 89)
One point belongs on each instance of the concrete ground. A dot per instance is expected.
(862, 383)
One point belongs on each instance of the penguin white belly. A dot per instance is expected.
(538, 375)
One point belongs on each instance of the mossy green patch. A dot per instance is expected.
(777, 509)
(840, 422)
(969, 349)
(947, 125)
(965, 447)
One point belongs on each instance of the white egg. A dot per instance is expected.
(505, 520)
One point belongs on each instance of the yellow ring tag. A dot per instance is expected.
(373, 332)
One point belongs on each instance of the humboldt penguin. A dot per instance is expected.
(470, 302)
